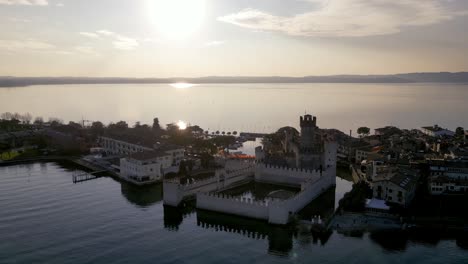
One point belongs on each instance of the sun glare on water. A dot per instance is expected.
(182, 125)
(182, 85)
(177, 19)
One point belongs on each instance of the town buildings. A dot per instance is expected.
(448, 177)
(436, 131)
(124, 145)
(393, 184)
(143, 161)
(149, 166)
(312, 159)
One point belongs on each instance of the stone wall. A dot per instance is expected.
(280, 211)
(174, 192)
(232, 205)
(276, 212)
(284, 175)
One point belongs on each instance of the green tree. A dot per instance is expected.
(156, 126)
(363, 131)
(460, 132)
(182, 168)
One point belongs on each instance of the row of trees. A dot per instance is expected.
(27, 118)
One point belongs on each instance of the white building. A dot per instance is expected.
(436, 131)
(150, 166)
(447, 177)
(394, 185)
(124, 145)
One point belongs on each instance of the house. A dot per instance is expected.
(436, 131)
(125, 144)
(150, 166)
(458, 153)
(447, 177)
(368, 152)
(395, 185)
(362, 153)
(387, 131)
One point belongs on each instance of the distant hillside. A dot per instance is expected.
(440, 77)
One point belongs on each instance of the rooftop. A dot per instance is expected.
(435, 128)
(132, 139)
(147, 155)
(405, 178)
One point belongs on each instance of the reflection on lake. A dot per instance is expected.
(45, 218)
(248, 107)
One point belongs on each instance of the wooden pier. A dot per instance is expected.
(79, 176)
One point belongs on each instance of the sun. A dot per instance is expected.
(182, 125)
(177, 19)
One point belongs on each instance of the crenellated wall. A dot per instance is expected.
(234, 172)
(280, 211)
(232, 205)
(276, 212)
(284, 175)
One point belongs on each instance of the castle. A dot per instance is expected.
(311, 151)
(312, 170)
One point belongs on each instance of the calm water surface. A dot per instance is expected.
(45, 218)
(248, 107)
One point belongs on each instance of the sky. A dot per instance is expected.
(193, 38)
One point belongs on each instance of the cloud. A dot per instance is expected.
(25, 45)
(348, 18)
(89, 34)
(86, 50)
(125, 43)
(105, 32)
(118, 41)
(214, 43)
(24, 2)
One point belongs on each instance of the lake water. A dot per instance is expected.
(248, 107)
(45, 218)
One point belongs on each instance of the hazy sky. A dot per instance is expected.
(168, 38)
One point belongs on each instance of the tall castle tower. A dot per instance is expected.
(310, 150)
(308, 129)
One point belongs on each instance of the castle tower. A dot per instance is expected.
(308, 129)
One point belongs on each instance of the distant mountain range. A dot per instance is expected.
(425, 77)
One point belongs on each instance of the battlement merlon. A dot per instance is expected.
(308, 121)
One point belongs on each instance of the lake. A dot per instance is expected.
(248, 107)
(45, 218)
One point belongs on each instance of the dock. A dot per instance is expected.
(79, 176)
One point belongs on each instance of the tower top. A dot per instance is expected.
(308, 121)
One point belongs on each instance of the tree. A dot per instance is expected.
(39, 121)
(156, 126)
(363, 131)
(97, 128)
(217, 132)
(228, 133)
(121, 125)
(460, 132)
(182, 168)
(190, 165)
(74, 125)
(27, 118)
(55, 121)
(234, 133)
(7, 116)
(172, 128)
